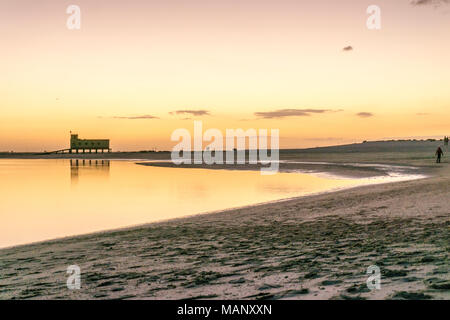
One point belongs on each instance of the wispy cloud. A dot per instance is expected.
(142, 117)
(429, 2)
(283, 113)
(365, 114)
(422, 114)
(191, 112)
(347, 48)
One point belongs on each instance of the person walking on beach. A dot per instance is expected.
(439, 154)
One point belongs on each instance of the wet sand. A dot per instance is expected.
(341, 170)
(314, 247)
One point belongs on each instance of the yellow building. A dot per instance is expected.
(88, 144)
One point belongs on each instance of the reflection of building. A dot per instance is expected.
(98, 168)
(88, 144)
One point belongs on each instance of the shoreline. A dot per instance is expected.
(317, 168)
(214, 212)
(295, 167)
(312, 247)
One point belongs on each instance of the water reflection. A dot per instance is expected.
(100, 195)
(98, 168)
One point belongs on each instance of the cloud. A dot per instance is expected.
(429, 2)
(422, 114)
(365, 114)
(290, 113)
(191, 112)
(147, 116)
(348, 48)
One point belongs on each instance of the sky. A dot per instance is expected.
(138, 70)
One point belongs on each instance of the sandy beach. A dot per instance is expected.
(313, 247)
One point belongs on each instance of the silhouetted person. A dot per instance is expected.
(439, 154)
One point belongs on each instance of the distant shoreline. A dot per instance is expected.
(344, 160)
(367, 146)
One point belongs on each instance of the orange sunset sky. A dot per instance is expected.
(232, 64)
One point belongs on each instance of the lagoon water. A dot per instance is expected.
(47, 199)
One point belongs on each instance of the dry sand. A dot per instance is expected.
(315, 247)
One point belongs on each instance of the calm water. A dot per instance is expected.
(46, 199)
